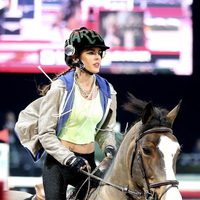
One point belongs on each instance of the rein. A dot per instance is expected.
(121, 188)
(149, 194)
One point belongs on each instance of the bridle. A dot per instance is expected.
(149, 193)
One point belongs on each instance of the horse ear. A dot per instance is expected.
(171, 116)
(147, 113)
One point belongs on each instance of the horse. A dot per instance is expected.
(144, 167)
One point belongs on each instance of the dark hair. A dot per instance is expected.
(43, 89)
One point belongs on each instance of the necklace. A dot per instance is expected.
(86, 93)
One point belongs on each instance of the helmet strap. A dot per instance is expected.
(80, 65)
(87, 71)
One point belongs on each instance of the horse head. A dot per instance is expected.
(153, 151)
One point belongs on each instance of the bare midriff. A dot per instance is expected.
(79, 148)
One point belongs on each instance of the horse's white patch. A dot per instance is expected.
(168, 147)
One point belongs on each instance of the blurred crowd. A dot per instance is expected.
(17, 153)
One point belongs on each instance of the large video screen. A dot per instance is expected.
(145, 37)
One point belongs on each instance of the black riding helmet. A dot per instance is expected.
(79, 40)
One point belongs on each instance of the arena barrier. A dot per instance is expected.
(188, 185)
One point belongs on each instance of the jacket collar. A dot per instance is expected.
(103, 83)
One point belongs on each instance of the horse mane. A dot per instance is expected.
(134, 105)
(156, 118)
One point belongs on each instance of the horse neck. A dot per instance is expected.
(120, 172)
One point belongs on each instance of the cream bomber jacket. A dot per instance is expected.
(37, 124)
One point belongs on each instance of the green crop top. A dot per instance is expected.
(85, 115)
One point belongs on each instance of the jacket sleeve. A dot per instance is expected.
(106, 134)
(47, 124)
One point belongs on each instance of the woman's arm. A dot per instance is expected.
(47, 124)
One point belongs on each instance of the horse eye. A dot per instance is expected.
(146, 150)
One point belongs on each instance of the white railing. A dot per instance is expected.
(21, 181)
(186, 182)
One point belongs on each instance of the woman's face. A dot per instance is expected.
(91, 58)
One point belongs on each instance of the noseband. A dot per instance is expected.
(149, 194)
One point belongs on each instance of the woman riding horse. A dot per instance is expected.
(145, 165)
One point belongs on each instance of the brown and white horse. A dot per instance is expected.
(145, 165)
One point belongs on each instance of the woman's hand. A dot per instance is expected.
(77, 163)
(110, 151)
